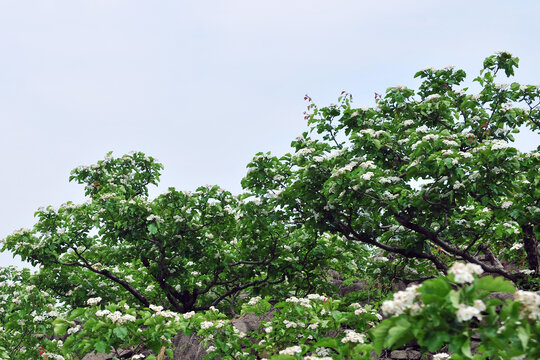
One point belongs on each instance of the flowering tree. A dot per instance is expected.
(415, 183)
(428, 176)
(186, 251)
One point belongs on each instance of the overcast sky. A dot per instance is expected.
(204, 85)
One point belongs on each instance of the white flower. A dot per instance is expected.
(516, 246)
(206, 325)
(466, 313)
(254, 301)
(422, 129)
(304, 152)
(506, 204)
(498, 144)
(368, 165)
(402, 300)
(293, 350)
(463, 273)
(408, 122)
(93, 301)
(432, 97)
(441, 356)
(479, 305)
(155, 218)
(458, 185)
(353, 337)
(531, 303)
(74, 330)
(317, 297)
(450, 143)
(290, 324)
(189, 315)
(368, 131)
(367, 176)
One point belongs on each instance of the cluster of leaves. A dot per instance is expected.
(300, 323)
(449, 314)
(25, 310)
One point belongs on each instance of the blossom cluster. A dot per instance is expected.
(466, 313)
(403, 300)
(463, 273)
(531, 303)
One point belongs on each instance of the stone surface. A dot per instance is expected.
(405, 354)
(188, 348)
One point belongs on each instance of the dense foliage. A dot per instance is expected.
(373, 197)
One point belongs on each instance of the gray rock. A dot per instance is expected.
(405, 354)
(188, 347)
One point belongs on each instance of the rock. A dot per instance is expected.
(188, 347)
(405, 354)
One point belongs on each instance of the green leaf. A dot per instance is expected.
(328, 343)
(379, 334)
(121, 332)
(490, 283)
(399, 334)
(438, 287)
(152, 229)
(60, 326)
(523, 337)
(435, 340)
(337, 315)
(466, 348)
(100, 346)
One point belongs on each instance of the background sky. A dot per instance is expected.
(204, 85)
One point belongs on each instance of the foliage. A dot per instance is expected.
(390, 194)
(439, 314)
(25, 310)
(187, 251)
(427, 175)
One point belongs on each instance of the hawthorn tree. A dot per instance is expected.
(429, 176)
(415, 183)
(184, 250)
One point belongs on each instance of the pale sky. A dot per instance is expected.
(204, 85)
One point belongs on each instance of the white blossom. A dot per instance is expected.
(465, 313)
(367, 176)
(293, 350)
(93, 301)
(352, 336)
(463, 273)
(422, 129)
(206, 325)
(506, 204)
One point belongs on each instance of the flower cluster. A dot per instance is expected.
(292, 350)
(531, 303)
(352, 336)
(466, 313)
(403, 300)
(463, 273)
